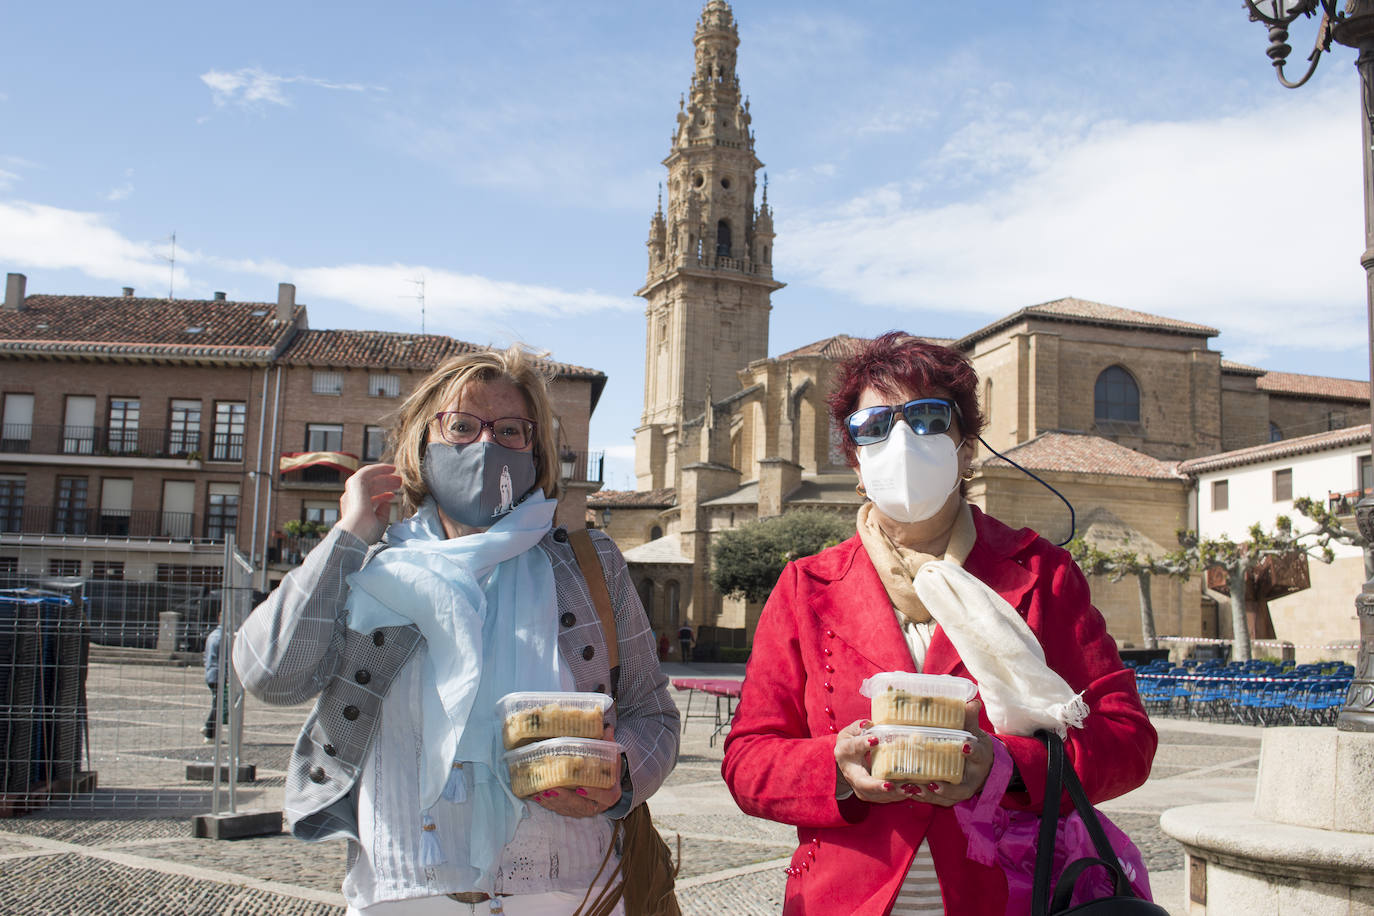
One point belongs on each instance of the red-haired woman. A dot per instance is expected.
(928, 584)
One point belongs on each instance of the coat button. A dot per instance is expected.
(378, 637)
(568, 618)
(830, 633)
(830, 712)
(318, 775)
(560, 534)
(588, 652)
(330, 750)
(829, 687)
(828, 651)
(829, 668)
(350, 713)
(363, 676)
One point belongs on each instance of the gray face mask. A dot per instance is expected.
(477, 483)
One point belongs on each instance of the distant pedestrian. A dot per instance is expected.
(211, 660)
(664, 646)
(687, 639)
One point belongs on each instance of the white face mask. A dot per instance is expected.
(907, 476)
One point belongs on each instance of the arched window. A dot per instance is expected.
(987, 402)
(646, 597)
(723, 239)
(1275, 434)
(673, 596)
(655, 533)
(1116, 397)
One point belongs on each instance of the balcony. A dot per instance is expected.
(580, 468)
(148, 524)
(116, 442)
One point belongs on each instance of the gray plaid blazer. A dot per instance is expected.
(297, 645)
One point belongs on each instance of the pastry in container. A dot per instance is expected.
(535, 715)
(563, 763)
(906, 753)
(932, 700)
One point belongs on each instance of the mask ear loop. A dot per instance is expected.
(1073, 519)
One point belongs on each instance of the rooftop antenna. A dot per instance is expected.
(419, 297)
(171, 265)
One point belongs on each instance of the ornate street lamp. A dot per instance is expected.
(1354, 28)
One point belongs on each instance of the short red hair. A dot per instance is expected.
(898, 362)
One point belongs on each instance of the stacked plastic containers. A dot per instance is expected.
(918, 721)
(553, 740)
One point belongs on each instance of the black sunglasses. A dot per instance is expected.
(925, 416)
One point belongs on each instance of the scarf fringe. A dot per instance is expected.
(455, 790)
(1068, 715)
(430, 852)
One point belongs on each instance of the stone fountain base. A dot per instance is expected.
(1306, 845)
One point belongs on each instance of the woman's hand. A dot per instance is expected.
(584, 801)
(851, 760)
(365, 506)
(978, 757)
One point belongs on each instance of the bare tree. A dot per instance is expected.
(1118, 564)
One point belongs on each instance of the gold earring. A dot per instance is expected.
(967, 475)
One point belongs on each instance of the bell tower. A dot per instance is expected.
(710, 272)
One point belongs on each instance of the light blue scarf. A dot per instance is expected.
(486, 605)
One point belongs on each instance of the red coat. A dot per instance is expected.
(828, 625)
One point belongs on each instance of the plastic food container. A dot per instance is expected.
(563, 762)
(907, 753)
(933, 700)
(536, 715)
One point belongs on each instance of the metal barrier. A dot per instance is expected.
(103, 707)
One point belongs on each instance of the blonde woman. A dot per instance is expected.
(409, 633)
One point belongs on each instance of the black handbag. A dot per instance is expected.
(1123, 901)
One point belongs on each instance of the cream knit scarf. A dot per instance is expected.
(897, 566)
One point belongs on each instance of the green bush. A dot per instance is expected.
(734, 655)
(747, 561)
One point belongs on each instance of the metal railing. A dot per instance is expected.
(101, 441)
(124, 523)
(587, 467)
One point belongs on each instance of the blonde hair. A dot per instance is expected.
(516, 364)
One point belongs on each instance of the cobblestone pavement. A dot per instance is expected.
(127, 848)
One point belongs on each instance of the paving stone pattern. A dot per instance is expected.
(146, 729)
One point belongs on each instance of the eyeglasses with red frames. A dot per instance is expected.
(459, 428)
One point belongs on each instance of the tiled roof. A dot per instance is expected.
(1083, 454)
(1313, 386)
(842, 346)
(1269, 451)
(1082, 311)
(662, 498)
(667, 549)
(1230, 366)
(128, 326)
(391, 349)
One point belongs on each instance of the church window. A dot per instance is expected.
(655, 533)
(1116, 397)
(723, 239)
(987, 402)
(725, 182)
(698, 180)
(1275, 434)
(1283, 485)
(1221, 496)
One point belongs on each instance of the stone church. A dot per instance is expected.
(1102, 402)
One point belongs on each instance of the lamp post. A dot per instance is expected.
(1354, 28)
(567, 463)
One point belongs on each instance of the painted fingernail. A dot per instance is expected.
(872, 742)
(908, 788)
(865, 724)
(915, 790)
(581, 791)
(552, 793)
(887, 787)
(933, 787)
(968, 748)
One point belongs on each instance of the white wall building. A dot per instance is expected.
(1234, 490)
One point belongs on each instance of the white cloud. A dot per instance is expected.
(250, 86)
(1243, 223)
(38, 236)
(123, 192)
(7, 179)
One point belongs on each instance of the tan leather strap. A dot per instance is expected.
(585, 551)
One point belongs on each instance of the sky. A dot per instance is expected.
(932, 167)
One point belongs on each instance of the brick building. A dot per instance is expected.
(138, 433)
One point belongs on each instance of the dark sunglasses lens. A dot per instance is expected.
(927, 417)
(870, 425)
